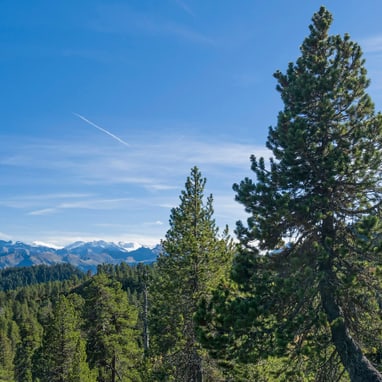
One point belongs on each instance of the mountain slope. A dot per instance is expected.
(85, 256)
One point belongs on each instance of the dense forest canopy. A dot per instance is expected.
(12, 278)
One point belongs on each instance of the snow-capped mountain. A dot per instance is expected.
(84, 255)
(132, 246)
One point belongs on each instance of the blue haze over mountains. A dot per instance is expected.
(85, 256)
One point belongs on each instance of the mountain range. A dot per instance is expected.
(84, 255)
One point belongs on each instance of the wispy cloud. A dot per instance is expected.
(154, 162)
(31, 201)
(44, 211)
(5, 236)
(35, 197)
(222, 154)
(90, 204)
(133, 190)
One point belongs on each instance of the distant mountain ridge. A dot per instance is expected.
(84, 255)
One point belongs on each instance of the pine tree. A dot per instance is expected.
(112, 331)
(309, 262)
(195, 259)
(62, 356)
(6, 356)
(9, 337)
(30, 333)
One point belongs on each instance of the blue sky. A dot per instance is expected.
(106, 106)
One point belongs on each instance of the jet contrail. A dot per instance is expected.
(101, 129)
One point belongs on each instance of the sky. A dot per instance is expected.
(107, 105)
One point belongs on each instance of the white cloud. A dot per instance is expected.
(31, 201)
(154, 164)
(44, 211)
(89, 204)
(5, 236)
(157, 222)
(127, 191)
(161, 187)
(222, 154)
(96, 204)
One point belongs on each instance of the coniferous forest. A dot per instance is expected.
(294, 294)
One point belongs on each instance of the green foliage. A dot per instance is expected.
(47, 331)
(6, 356)
(62, 356)
(112, 331)
(306, 266)
(30, 333)
(13, 278)
(195, 259)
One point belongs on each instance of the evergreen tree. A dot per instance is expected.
(135, 280)
(9, 338)
(30, 333)
(62, 356)
(194, 260)
(112, 331)
(309, 262)
(6, 356)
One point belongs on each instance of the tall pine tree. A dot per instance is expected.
(30, 335)
(195, 259)
(62, 356)
(112, 331)
(6, 352)
(310, 254)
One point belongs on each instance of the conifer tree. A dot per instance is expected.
(6, 356)
(9, 337)
(112, 331)
(194, 260)
(309, 262)
(62, 356)
(30, 333)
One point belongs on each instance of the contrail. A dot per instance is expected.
(101, 129)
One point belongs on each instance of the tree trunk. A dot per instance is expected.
(113, 369)
(358, 366)
(197, 367)
(146, 337)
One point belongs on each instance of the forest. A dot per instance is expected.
(295, 294)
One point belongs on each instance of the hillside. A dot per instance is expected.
(83, 255)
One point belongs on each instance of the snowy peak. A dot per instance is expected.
(84, 255)
(99, 244)
(74, 245)
(132, 246)
(44, 245)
